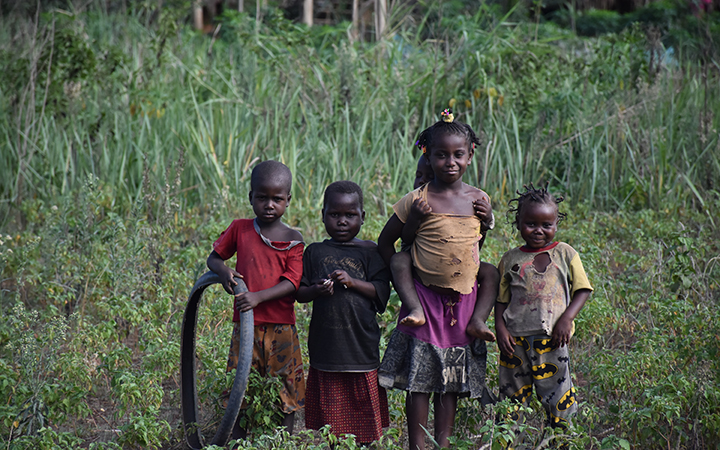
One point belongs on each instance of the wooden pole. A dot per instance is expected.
(380, 17)
(257, 16)
(308, 12)
(197, 15)
(355, 19)
(241, 5)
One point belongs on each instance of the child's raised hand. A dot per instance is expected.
(483, 209)
(420, 208)
(342, 277)
(325, 287)
(561, 332)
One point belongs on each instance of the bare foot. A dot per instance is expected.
(415, 318)
(480, 330)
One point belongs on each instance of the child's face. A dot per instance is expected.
(343, 216)
(424, 172)
(269, 200)
(449, 157)
(538, 224)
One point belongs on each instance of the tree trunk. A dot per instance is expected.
(380, 17)
(197, 15)
(355, 19)
(308, 12)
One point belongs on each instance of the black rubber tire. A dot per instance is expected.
(188, 390)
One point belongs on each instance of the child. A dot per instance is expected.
(543, 288)
(423, 173)
(438, 355)
(348, 283)
(270, 262)
(401, 264)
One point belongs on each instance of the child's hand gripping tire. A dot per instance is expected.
(188, 391)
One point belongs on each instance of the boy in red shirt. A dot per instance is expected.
(270, 262)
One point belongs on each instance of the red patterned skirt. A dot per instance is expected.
(350, 402)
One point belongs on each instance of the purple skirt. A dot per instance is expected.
(447, 317)
(438, 356)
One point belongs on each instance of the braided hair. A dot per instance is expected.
(533, 195)
(446, 125)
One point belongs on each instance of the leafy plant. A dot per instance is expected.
(36, 361)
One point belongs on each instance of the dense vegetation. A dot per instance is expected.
(127, 142)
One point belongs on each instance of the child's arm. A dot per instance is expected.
(249, 300)
(418, 211)
(505, 341)
(306, 294)
(388, 236)
(227, 275)
(289, 280)
(563, 327)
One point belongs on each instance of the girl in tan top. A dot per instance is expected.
(431, 351)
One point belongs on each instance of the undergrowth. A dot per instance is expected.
(95, 301)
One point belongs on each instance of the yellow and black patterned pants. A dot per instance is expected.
(537, 363)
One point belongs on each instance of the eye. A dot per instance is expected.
(351, 214)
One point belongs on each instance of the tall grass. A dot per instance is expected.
(583, 115)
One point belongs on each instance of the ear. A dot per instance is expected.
(322, 214)
(362, 217)
(289, 197)
(250, 196)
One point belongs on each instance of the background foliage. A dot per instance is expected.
(126, 146)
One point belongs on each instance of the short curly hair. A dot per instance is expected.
(533, 195)
(343, 187)
(270, 170)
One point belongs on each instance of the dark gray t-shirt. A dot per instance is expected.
(344, 334)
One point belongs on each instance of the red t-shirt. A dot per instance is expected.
(262, 267)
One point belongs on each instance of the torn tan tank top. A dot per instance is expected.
(445, 250)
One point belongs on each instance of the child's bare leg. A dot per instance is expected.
(445, 407)
(417, 406)
(238, 432)
(488, 285)
(289, 422)
(401, 268)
